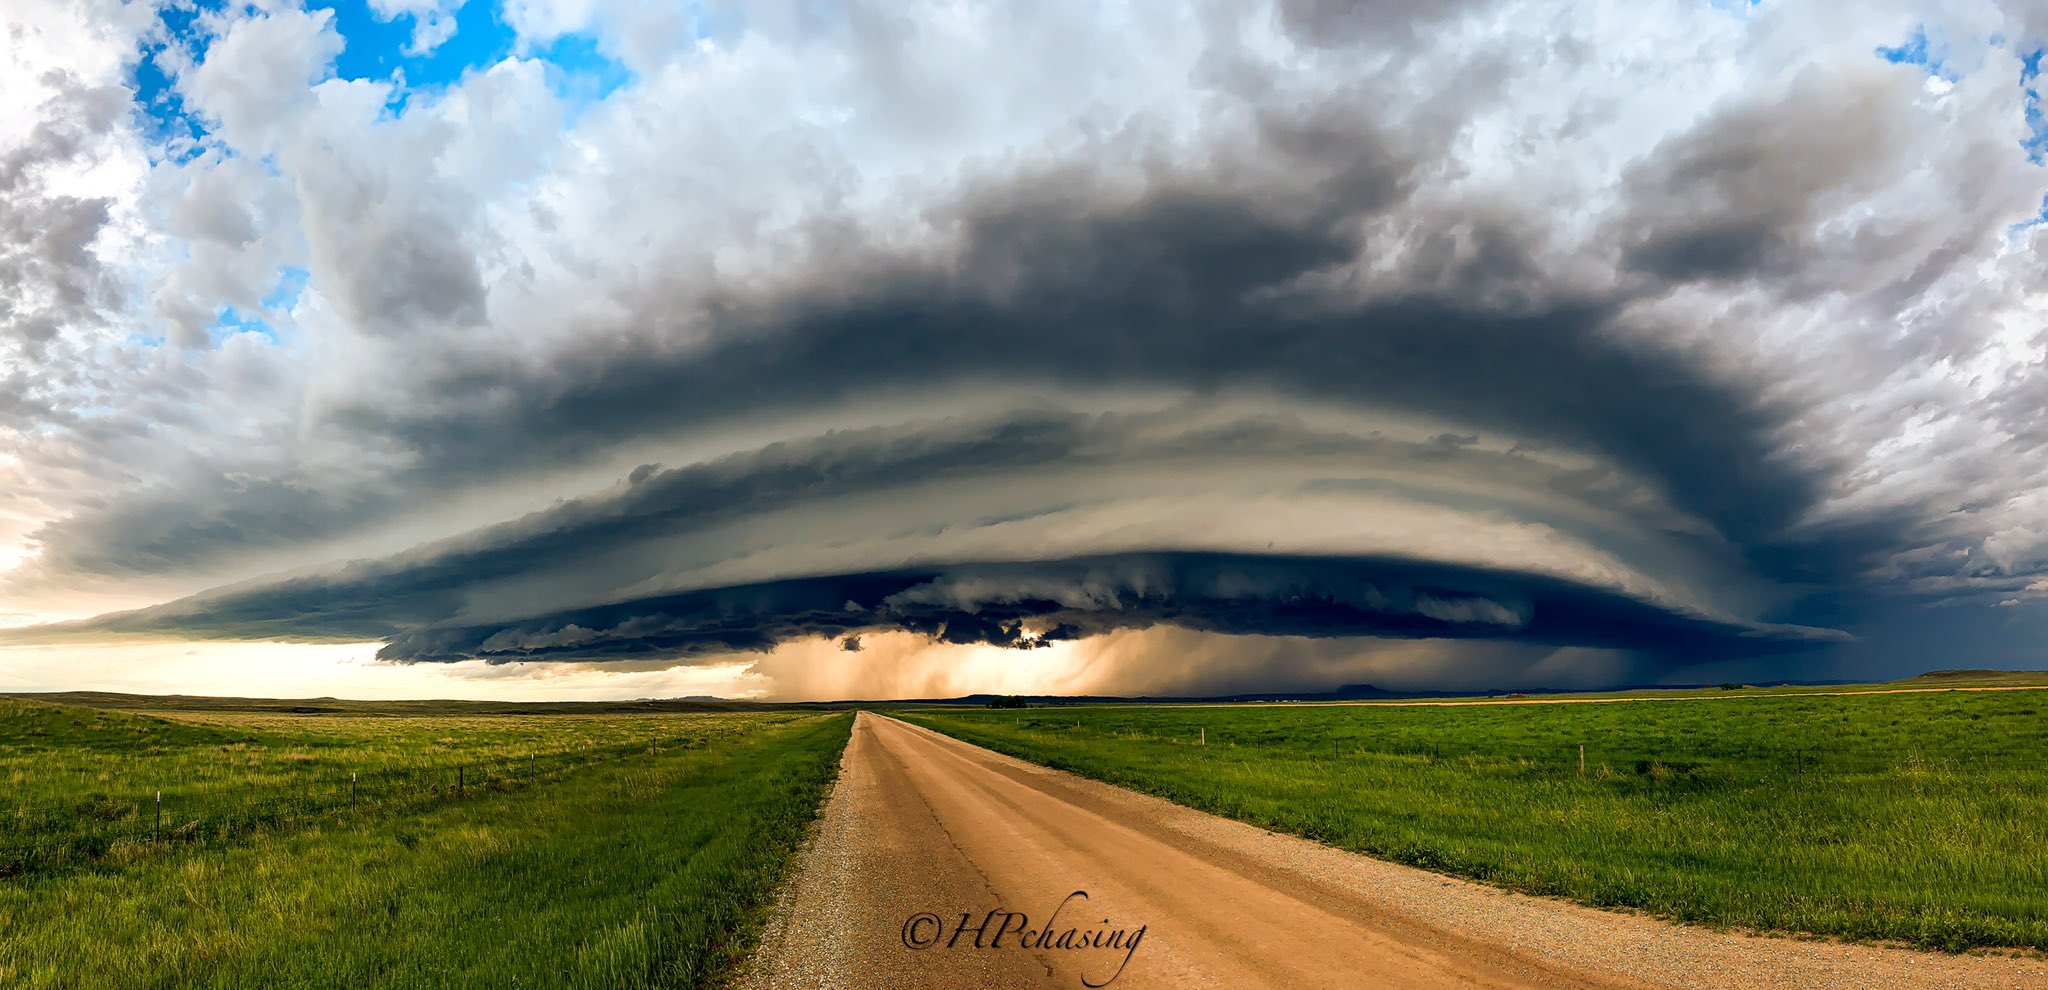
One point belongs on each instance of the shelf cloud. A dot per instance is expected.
(1698, 337)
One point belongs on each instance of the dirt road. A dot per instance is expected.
(1065, 882)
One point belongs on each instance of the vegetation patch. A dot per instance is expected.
(652, 868)
(1884, 817)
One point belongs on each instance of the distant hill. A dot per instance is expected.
(1349, 692)
(1976, 678)
(44, 725)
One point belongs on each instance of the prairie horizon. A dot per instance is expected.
(918, 494)
(112, 797)
(1931, 681)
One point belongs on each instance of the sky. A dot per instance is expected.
(620, 348)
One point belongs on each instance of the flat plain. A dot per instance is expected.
(1908, 818)
(643, 844)
(571, 851)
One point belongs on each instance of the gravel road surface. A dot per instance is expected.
(923, 829)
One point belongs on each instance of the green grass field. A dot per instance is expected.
(56, 753)
(1940, 680)
(84, 785)
(1920, 818)
(626, 851)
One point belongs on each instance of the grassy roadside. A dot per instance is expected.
(62, 754)
(651, 872)
(1940, 680)
(1901, 817)
(89, 787)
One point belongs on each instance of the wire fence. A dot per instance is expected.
(46, 836)
(1596, 756)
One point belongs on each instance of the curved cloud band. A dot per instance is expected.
(1025, 604)
(1021, 605)
(1690, 334)
(1038, 526)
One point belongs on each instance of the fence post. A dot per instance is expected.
(352, 790)
(156, 828)
(1205, 735)
(1582, 759)
(458, 781)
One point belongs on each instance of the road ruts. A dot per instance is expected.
(923, 823)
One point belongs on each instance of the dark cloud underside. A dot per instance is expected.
(1194, 284)
(1021, 604)
(1693, 335)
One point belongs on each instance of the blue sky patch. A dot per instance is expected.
(1918, 51)
(376, 49)
(580, 73)
(233, 321)
(2018, 230)
(291, 283)
(172, 133)
(2036, 141)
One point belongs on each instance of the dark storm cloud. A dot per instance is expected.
(434, 580)
(1139, 304)
(1205, 280)
(1196, 283)
(1336, 23)
(600, 548)
(366, 598)
(1026, 604)
(1738, 195)
(1300, 259)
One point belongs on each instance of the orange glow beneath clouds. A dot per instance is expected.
(894, 665)
(1158, 661)
(294, 670)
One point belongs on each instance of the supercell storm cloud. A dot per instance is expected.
(574, 332)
